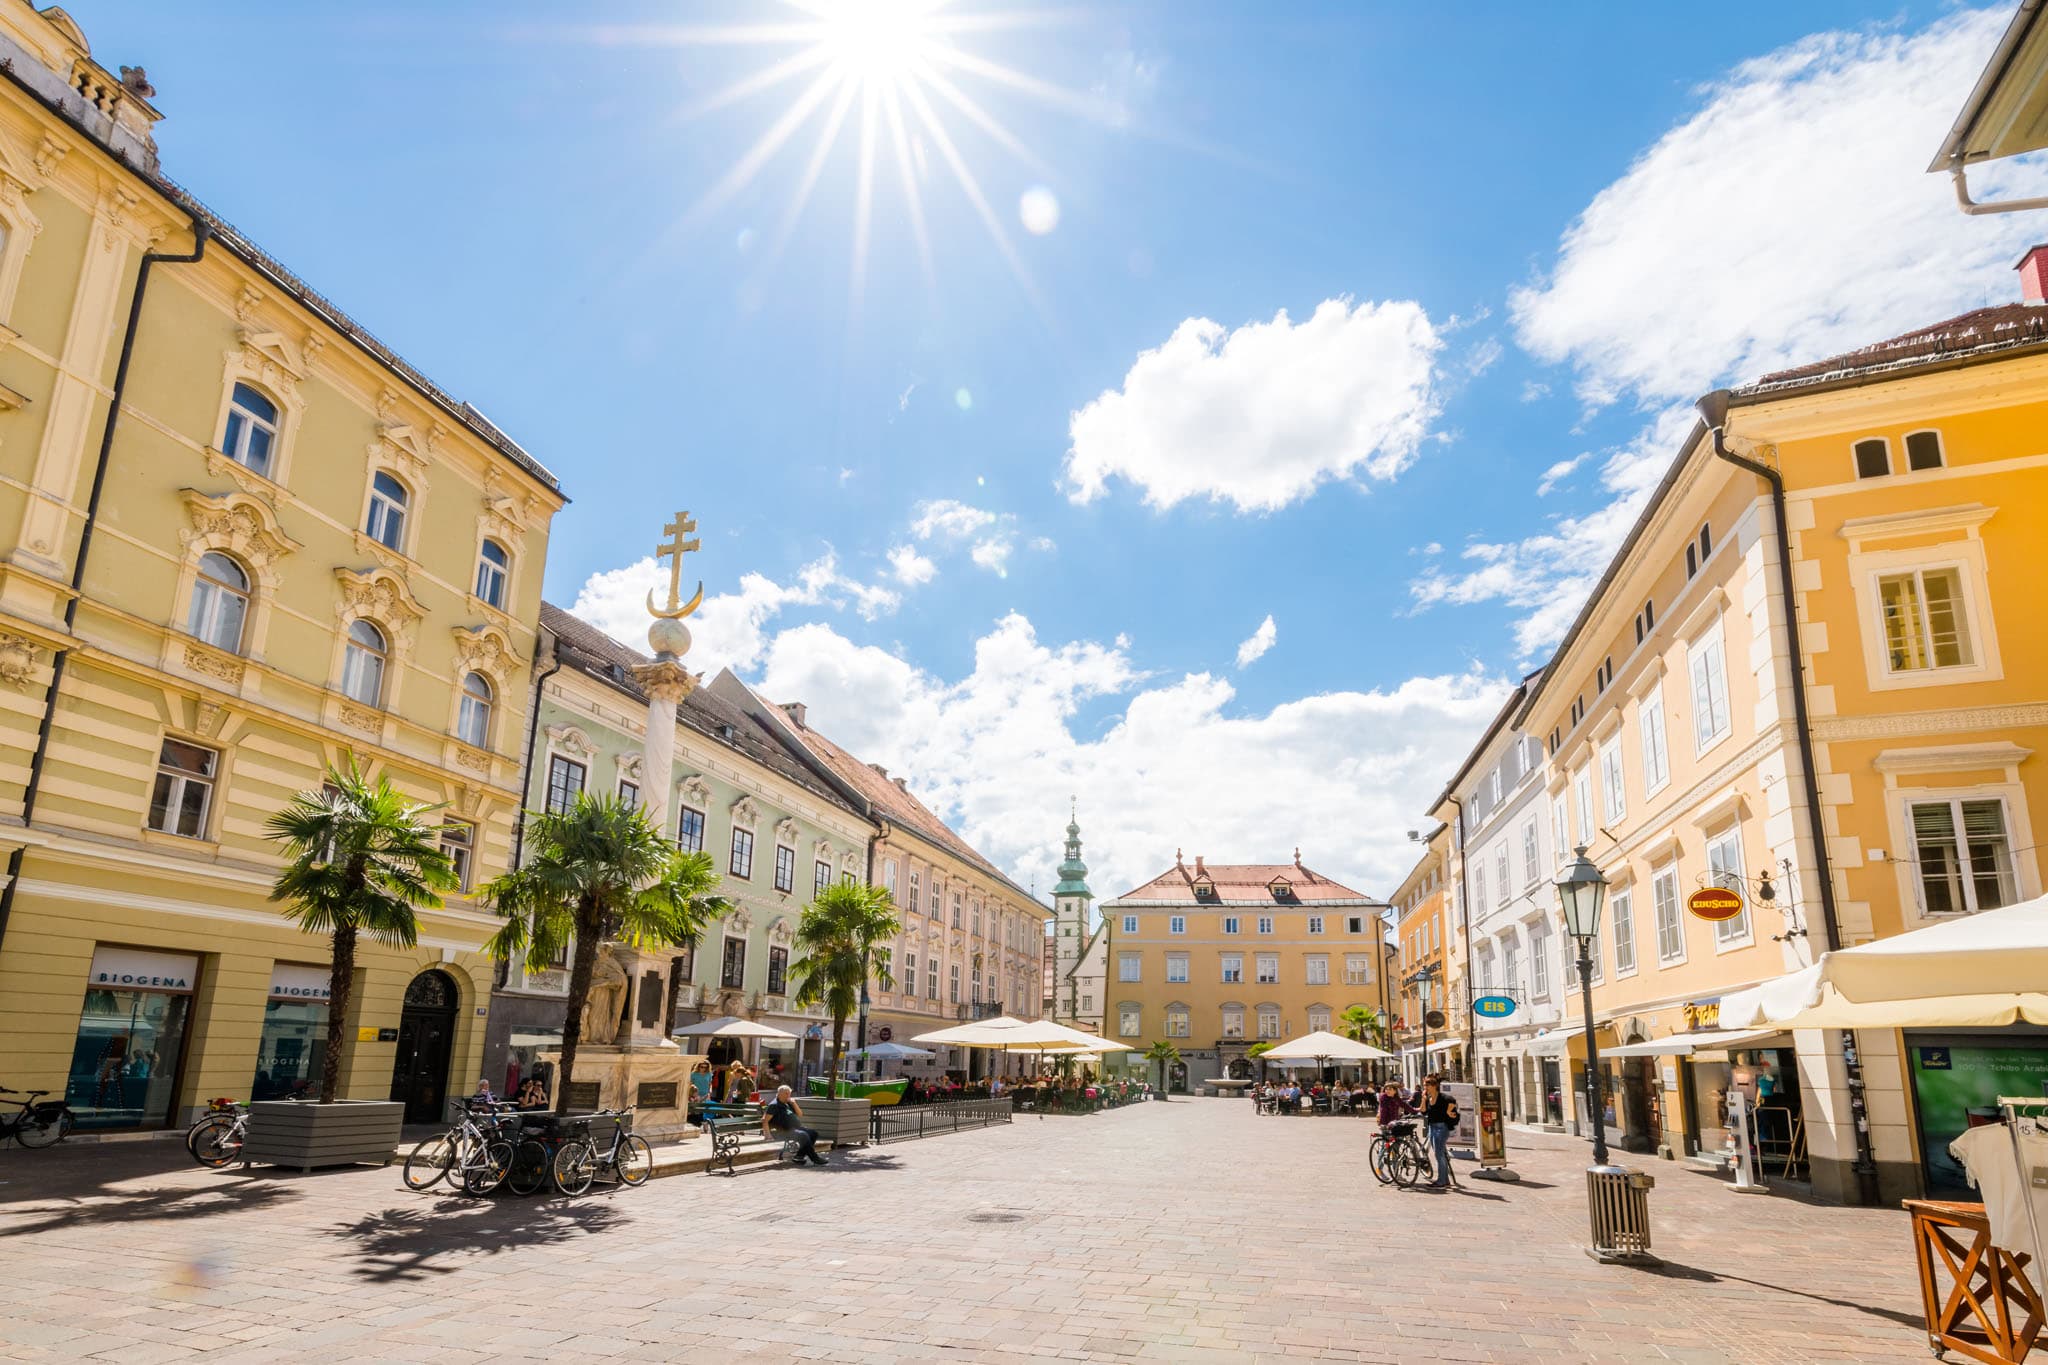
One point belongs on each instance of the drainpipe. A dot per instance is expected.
(1713, 410)
(543, 644)
(200, 234)
(1465, 919)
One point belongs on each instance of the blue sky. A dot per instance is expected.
(1012, 521)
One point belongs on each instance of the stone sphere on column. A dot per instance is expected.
(669, 637)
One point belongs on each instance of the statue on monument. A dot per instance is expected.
(607, 997)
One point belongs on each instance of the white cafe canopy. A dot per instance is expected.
(1005, 1034)
(730, 1026)
(1324, 1046)
(1685, 1044)
(888, 1052)
(1985, 970)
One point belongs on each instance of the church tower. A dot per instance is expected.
(1071, 936)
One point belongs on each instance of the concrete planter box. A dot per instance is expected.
(294, 1133)
(843, 1123)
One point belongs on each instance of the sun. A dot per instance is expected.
(876, 42)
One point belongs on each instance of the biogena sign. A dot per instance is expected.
(140, 981)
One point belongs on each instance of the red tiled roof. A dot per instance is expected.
(1979, 331)
(1241, 882)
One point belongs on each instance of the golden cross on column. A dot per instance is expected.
(673, 549)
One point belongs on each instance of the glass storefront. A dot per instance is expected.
(522, 1058)
(1769, 1078)
(294, 1041)
(1957, 1079)
(131, 1038)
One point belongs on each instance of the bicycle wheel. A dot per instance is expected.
(215, 1144)
(1408, 1165)
(1376, 1159)
(430, 1162)
(529, 1168)
(43, 1130)
(635, 1160)
(203, 1132)
(488, 1167)
(575, 1166)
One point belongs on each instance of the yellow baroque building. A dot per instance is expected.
(1885, 782)
(243, 542)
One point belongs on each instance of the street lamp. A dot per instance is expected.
(1580, 892)
(1422, 981)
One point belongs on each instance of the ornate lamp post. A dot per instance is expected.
(1580, 891)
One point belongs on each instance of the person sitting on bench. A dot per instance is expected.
(782, 1113)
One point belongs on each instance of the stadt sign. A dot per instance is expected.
(1494, 1006)
(1714, 903)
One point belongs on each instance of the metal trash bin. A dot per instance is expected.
(1619, 1201)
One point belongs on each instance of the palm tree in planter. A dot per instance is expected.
(595, 871)
(1257, 1052)
(1165, 1054)
(362, 858)
(842, 936)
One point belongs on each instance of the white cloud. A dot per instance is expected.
(1044, 544)
(1557, 474)
(949, 519)
(911, 568)
(1534, 389)
(1256, 645)
(1261, 415)
(1549, 573)
(993, 554)
(729, 629)
(1341, 774)
(1789, 219)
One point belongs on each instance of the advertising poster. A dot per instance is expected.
(1957, 1086)
(1465, 1137)
(1493, 1132)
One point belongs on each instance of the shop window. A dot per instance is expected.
(1926, 625)
(251, 431)
(458, 845)
(690, 830)
(183, 797)
(741, 864)
(220, 602)
(473, 719)
(293, 1045)
(1963, 855)
(385, 523)
(131, 1034)
(362, 664)
(493, 565)
(785, 868)
(565, 782)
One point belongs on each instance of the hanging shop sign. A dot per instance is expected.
(1435, 1019)
(293, 981)
(1715, 903)
(1494, 1006)
(886, 1033)
(137, 969)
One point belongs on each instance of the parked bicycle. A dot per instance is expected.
(1397, 1153)
(474, 1155)
(217, 1138)
(37, 1122)
(627, 1157)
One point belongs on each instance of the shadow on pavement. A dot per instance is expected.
(403, 1244)
(150, 1205)
(1672, 1270)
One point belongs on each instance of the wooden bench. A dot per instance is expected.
(728, 1125)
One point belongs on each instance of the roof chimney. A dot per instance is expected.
(879, 768)
(901, 785)
(796, 711)
(2033, 268)
(1199, 870)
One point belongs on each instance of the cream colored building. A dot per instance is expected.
(281, 547)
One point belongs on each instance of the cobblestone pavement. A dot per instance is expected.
(1192, 1231)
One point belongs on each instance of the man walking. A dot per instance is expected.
(1440, 1114)
(782, 1113)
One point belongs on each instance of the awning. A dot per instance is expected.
(1550, 1044)
(1685, 1044)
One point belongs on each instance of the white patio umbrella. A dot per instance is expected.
(1984, 970)
(889, 1052)
(1324, 1046)
(732, 1026)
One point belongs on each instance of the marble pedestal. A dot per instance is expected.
(651, 1080)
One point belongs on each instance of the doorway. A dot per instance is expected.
(426, 1041)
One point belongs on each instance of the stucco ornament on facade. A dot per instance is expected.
(696, 790)
(17, 660)
(239, 524)
(571, 740)
(484, 649)
(630, 766)
(745, 812)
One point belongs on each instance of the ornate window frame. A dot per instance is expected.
(486, 650)
(23, 227)
(505, 518)
(273, 364)
(246, 530)
(382, 598)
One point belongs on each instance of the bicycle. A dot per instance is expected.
(1397, 1154)
(217, 1138)
(533, 1157)
(40, 1122)
(629, 1158)
(472, 1155)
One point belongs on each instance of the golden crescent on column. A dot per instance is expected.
(673, 549)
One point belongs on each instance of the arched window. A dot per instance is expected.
(252, 430)
(362, 664)
(473, 722)
(388, 500)
(491, 567)
(220, 602)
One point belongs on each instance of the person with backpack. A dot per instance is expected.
(1440, 1116)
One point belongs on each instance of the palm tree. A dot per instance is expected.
(1165, 1054)
(361, 859)
(598, 870)
(1362, 1025)
(842, 934)
(1257, 1052)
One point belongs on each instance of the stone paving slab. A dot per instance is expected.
(1193, 1231)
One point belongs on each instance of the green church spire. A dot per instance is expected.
(1073, 872)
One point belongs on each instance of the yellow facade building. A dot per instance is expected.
(243, 541)
(1215, 958)
(1885, 784)
(1425, 936)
